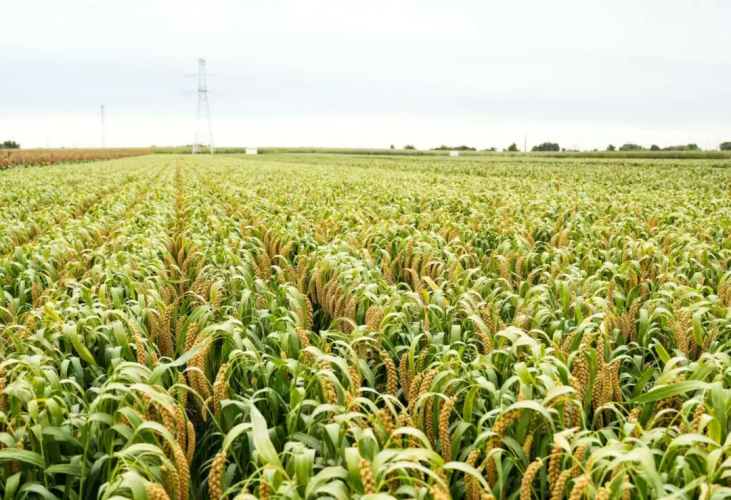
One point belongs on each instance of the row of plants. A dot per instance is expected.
(42, 157)
(292, 327)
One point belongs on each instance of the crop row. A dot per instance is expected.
(299, 327)
(40, 157)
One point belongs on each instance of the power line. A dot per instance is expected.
(203, 104)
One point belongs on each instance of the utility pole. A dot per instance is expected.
(203, 107)
(525, 143)
(104, 135)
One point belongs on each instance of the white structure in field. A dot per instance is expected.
(454, 153)
(252, 151)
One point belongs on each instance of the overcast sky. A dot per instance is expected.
(367, 73)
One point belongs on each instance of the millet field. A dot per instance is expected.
(304, 326)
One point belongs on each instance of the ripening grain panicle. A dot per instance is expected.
(528, 478)
(215, 476)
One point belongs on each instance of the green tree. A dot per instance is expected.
(547, 146)
(611, 148)
(513, 148)
(409, 146)
(450, 148)
(9, 145)
(631, 147)
(682, 147)
(654, 147)
(725, 146)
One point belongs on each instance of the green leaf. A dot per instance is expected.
(324, 477)
(703, 371)
(68, 469)
(522, 371)
(642, 382)
(467, 469)
(304, 466)
(664, 356)
(141, 449)
(234, 433)
(38, 489)
(136, 484)
(697, 326)
(535, 406)
(261, 439)
(666, 391)
(11, 486)
(70, 332)
(163, 367)
(692, 440)
(29, 457)
(50, 314)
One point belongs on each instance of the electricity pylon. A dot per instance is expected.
(203, 107)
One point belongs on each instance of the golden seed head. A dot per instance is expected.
(558, 487)
(530, 475)
(367, 477)
(216, 475)
(444, 435)
(156, 491)
(391, 380)
(579, 487)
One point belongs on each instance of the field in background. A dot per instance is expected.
(411, 152)
(324, 325)
(38, 157)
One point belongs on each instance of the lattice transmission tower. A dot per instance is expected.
(203, 107)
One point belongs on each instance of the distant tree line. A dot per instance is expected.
(458, 148)
(553, 147)
(636, 147)
(687, 147)
(546, 146)
(9, 145)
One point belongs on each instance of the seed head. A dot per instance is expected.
(560, 485)
(444, 436)
(391, 381)
(530, 475)
(156, 491)
(579, 488)
(367, 477)
(216, 475)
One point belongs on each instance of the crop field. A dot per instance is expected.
(340, 326)
(38, 157)
(635, 154)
